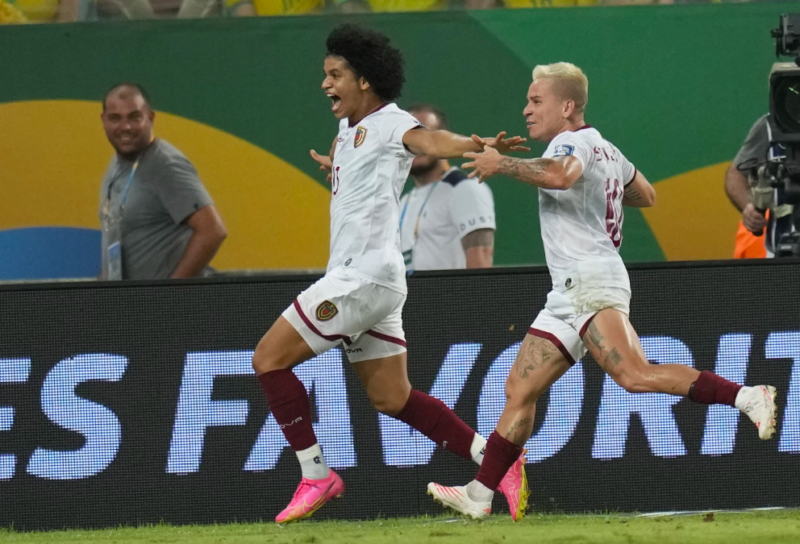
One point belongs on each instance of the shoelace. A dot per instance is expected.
(303, 483)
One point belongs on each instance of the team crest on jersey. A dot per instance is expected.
(326, 311)
(563, 150)
(361, 135)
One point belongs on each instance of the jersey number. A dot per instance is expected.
(335, 180)
(614, 211)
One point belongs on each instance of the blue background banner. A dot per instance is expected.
(126, 404)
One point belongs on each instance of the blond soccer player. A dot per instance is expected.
(584, 181)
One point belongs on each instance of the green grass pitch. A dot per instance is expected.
(773, 527)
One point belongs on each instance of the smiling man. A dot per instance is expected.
(158, 221)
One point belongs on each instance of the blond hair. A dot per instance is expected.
(569, 82)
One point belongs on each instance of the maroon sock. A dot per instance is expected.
(289, 403)
(500, 455)
(712, 389)
(434, 419)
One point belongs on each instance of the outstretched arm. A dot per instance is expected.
(444, 144)
(555, 173)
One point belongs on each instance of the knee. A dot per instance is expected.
(521, 393)
(632, 381)
(391, 405)
(391, 400)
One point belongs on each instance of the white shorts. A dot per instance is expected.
(562, 324)
(344, 308)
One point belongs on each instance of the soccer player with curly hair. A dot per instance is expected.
(360, 299)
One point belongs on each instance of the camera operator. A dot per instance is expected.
(749, 242)
(763, 181)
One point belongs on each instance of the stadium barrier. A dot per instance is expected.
(135, 403)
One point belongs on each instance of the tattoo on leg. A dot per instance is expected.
(608, 360)
(534, 353)
(613, 357)
(595, 336)
(523, 368)
(518, 429)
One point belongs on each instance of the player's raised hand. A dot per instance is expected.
(486, 164)
(325, 163)
(501, 143)
(324, 160)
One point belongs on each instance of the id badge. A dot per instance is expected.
(408, 258)
(114, 261)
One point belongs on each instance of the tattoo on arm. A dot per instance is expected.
(632, 194)
(531, 171)
(478, 238)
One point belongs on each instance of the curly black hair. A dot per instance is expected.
(371, 56)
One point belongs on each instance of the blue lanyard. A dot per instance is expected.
(419, 215)
(128, 185)
(403, 215)
(124, 192)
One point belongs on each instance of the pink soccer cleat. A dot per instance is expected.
(310, 496)
(514, 486)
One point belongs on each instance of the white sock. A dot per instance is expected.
(312, 463)
(740, 401)
(479, 492)
(478, 448)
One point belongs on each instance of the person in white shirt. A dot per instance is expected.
(447, 220)
(583, 183)
(360, 299)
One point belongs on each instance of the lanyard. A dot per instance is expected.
(419, 215)
(124, 193)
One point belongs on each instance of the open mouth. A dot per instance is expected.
(336, 102)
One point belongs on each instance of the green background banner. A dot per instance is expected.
(674, 87)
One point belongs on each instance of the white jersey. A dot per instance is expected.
(434, 218)
(370, 167)
(582, 226)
